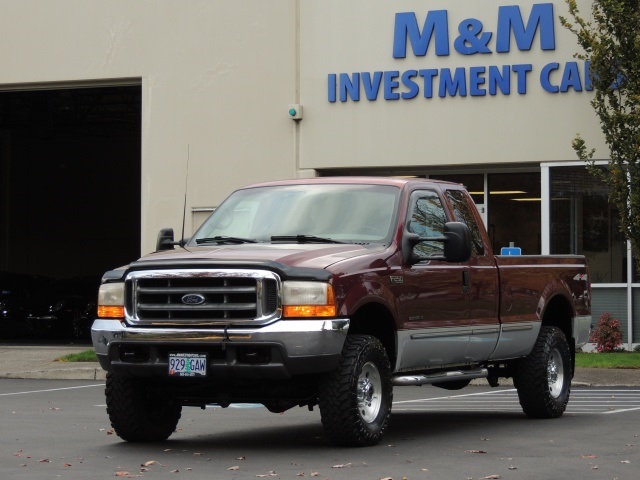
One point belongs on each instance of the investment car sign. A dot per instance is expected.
(431, 37)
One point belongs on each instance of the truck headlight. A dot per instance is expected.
(308, 299)
(111, 300)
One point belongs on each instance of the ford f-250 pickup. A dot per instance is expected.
(331, 292)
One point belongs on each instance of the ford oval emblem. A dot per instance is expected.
(193, 299)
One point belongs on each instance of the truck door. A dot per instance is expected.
(483, 284)
(433, 302)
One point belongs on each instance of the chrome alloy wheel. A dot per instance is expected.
(555, 373)
(369, 392)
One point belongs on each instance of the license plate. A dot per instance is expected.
(187, 364)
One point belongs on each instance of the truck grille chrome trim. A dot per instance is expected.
(202, 298)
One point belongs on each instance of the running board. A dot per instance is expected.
(451, 376)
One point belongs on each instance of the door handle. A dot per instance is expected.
(466, 282)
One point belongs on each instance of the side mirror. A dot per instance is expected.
(165, 240)
(457, 246)
(456, 239)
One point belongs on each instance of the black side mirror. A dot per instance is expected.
(165, 240)
(457, 246)
(456, 239)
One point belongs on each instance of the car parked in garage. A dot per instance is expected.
(38, 306)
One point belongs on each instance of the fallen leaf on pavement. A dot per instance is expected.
(149, 463)
(588, 456)
(474, 451)
(490, 477)
(344, 465)
(235, 467)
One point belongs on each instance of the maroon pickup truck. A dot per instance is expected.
(330, 292)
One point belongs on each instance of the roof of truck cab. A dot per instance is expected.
(398, 182)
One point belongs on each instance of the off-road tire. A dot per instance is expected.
(543, 379)
(139, 413)
(355, 400)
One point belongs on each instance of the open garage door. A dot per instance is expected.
(69, 186)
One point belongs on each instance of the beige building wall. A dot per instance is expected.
(217, 78)
(358, 36)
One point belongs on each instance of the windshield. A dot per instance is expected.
(303, 213)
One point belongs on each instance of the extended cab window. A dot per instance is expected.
(464, 214)
(427, 219)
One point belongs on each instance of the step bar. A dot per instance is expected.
(452, 376)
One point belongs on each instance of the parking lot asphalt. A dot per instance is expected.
(41, 361)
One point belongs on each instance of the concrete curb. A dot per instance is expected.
(84, 371)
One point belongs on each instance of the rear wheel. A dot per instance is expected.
(138, 412)
(355, 401)
(543, 379)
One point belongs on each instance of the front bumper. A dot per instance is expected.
(277, 351)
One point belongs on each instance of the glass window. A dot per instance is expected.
(465, 215)
(583, 222)
(473, 182)
(348, 213)
(514, 211)
(427, 220)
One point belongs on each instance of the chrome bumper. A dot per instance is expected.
(303, 345)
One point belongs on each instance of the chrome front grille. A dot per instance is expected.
(202, 298)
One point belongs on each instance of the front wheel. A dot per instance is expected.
(355, 400)
(543, 379)
(139, 412)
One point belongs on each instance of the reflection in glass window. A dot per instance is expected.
(427, 220)
(348, 213)
(583, 222)
(465, 215)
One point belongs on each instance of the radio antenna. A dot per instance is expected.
(186, 185)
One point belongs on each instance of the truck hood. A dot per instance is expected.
(310, 255)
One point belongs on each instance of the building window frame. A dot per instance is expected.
(629, 285)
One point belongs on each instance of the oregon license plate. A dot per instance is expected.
(187, 364)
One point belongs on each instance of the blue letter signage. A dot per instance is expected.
(430, 37)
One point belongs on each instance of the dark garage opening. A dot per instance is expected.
(69, 195)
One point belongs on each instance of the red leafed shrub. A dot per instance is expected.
(607, 335)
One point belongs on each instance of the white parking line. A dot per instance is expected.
(622, 410)
(582, 401)
(51, 390)
(495, 392)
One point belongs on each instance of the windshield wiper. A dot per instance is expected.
(303, 239)
(223, 239)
